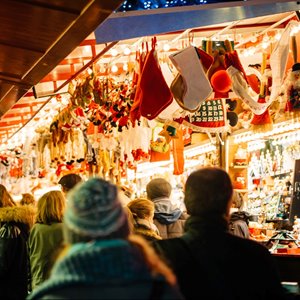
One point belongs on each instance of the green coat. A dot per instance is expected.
(44, 242)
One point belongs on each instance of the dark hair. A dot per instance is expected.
(237, 200)
(27, 199)
(208, 191)
(157, 188)
(69, 181)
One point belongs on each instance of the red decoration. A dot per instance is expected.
(155, 93)
(221, 81)
(254, 82)
(263, 119)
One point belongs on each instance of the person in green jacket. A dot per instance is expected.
(46, 235)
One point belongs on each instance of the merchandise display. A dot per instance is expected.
(151, 117)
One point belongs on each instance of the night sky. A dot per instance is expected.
(143, 4)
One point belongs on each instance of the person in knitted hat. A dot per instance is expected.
(95, 211)
(209, 261)
(102, 260)
(168, 218)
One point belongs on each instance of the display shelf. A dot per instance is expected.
(275, 174)
(239, 167)
(242, 190)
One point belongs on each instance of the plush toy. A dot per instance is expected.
(245, 116)
(293, 90)
(263, 122)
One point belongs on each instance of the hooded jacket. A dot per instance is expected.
(238, 224)
(15, 223)
(107, 269)
(168, 218)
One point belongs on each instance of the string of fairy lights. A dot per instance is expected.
(153, 4)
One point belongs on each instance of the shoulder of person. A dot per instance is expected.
(171, 248)
(184, 215)
(251, 247)
(9, 231)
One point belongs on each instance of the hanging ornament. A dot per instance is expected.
(170, 131)
(263, 122)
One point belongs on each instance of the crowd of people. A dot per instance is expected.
(83, 243)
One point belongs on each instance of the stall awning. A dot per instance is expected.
(121, 26)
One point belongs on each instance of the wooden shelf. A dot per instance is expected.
(239, 167)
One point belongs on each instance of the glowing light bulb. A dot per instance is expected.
(246, 53)
(266, 38)
(278, 36)
(253, 39)
(166, 47)
(114, 69)
(114, 52)
(126, 51)
(125, 66)
(265, 45)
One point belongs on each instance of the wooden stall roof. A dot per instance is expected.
(35, 36)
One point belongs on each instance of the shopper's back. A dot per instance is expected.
(209, 262)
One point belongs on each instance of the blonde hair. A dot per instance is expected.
(141, 208)
(155, 263)
(5, 198)
(130, 218)
(27, 199)
(50, 208)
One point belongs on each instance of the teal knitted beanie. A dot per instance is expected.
(94, 212)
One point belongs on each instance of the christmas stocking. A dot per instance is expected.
(155, 93)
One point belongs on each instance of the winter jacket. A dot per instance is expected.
(238, 224)
(109, 269)
(211, 263)
(168, 218)
(15, 223)
(44, 242)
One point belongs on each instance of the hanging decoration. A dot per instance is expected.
(263, 122)
(191, 86)
(293, 86)
(211, 117)
(217, 74)
(155, 92)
